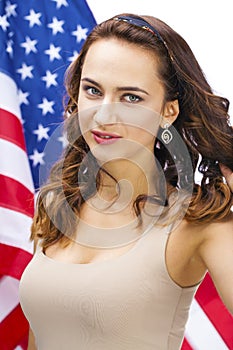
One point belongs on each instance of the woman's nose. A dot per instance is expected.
(106, 114)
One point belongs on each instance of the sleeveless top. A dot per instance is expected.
(128, 302)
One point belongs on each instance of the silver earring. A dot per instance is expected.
(166, 135)
(85, 170)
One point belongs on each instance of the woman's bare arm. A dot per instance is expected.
(216, 252)
(31, 341)
(228, 174)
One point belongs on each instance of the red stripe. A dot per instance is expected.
(13, 261)
(216, 311)
(15, 196)
(24, 342)
(11, 129)
(186, 345)
(13, 330)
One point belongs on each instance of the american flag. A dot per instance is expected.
(38, 40)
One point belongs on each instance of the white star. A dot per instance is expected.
(33, 18)
(50, 79)
(3, 22)
(37, 157)
(80, 33)
(25, 71)
(10, 9)
(23, 97)
(63, 140)
(9, 44)
(75, 55)
(46, 106)
(61, 3)
(29, 45)
(53, 52)
(56, 26)
(9, 47)
(41, 132)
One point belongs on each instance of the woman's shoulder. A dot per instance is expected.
(194, 240)
(219, 228)
(202, 231)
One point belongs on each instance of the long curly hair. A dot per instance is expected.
(203, 124)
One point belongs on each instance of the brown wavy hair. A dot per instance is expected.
(203, 124)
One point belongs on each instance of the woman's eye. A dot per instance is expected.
(132, 98)
(92, 91)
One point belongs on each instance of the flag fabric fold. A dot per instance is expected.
(38, 40)
(16, 210)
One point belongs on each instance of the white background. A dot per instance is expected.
(206, 25)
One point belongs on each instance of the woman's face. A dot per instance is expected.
(121, 100)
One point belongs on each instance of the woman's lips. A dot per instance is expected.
(105, 138)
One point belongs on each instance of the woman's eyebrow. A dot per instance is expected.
(89, 80)
(132, 88)
(121, 88)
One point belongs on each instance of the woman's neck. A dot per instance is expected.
(128, 180)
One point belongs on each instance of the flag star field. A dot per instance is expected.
(39, 39)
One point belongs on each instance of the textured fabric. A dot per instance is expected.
(128, 302)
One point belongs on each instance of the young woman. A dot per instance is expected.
(124, 232)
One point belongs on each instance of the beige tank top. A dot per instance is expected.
(128, 302)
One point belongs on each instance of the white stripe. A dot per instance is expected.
(9, 291)
(8, 97)
(14, 163)
(15, 229)
(200, 332)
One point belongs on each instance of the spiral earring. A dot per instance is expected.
(166, 135)
(85, 170)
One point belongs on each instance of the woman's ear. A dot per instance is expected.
(171, 111)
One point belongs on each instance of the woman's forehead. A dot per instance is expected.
(114, 55)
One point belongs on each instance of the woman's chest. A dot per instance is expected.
(76, 253)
